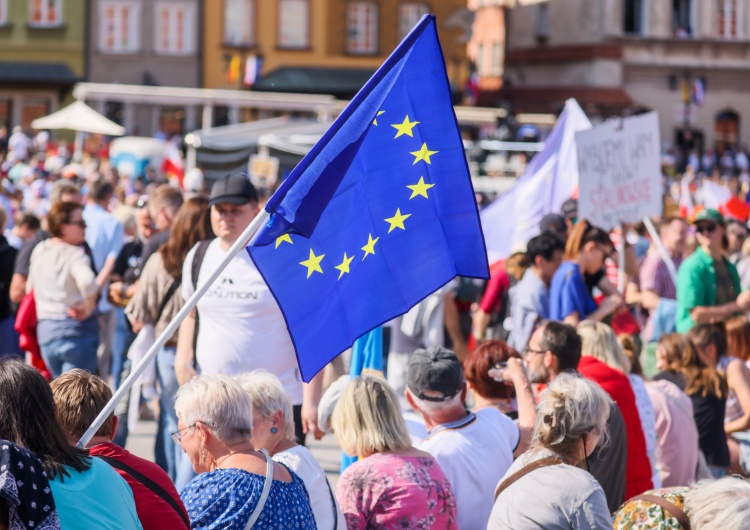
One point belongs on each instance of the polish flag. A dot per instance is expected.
(720, 198)
(173, 166)
(686, 200)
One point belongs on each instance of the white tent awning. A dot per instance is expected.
(79, 117)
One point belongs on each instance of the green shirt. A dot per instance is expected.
(696, 286)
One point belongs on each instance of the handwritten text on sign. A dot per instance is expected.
(619, 168)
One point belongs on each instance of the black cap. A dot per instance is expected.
(234, 188)
(553, 222)
(569, 209)
(435, 369)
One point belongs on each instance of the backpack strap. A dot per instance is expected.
(195, 269)
(148, 483)
(668, 506)
(525, 470)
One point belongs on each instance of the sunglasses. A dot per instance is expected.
(708, 228)
(80, 223)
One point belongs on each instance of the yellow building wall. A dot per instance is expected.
(327, 34)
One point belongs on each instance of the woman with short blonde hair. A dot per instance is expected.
(392, 481)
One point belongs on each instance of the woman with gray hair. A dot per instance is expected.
(722, 504)
(236, 485)
(571, 420)
(273, 430)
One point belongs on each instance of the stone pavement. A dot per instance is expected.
(141, 443)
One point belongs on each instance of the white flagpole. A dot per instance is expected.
(238, 245)
(661, 249)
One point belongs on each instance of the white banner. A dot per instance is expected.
(619, 171)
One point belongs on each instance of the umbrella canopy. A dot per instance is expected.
(79, 117)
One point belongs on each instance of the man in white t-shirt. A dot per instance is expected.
(241, 326)
(474, 450)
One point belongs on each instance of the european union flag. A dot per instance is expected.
(379, 214)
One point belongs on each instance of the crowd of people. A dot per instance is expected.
(545, 397)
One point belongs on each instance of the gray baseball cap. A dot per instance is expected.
(435, 369)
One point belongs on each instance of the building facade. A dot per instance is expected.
(42, 56)
(146, 42)
(687, 59)
(486, 49)
(317, 46)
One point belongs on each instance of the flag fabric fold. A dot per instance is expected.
(550, 178)
(379, 214)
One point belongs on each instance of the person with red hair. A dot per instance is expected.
(506, 388)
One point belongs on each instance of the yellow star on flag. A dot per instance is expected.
(313, 263)
(420, 188)
(375, 121)
(369, 248)
(422, 154)
(282, 238)
(405, 127)
(397, 221)
(344, 266)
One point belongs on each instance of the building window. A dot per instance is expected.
(362, 28)
(3, 12)
(174, 28)
(118, 28)
(294, 24)
(633, 17)
(45, 12)
(408, 16)
(480, 59)
(239, 22)
(542, 22)
(728, 18)
(497, 59)
(682, 18)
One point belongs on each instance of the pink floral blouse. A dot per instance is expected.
(386, 491)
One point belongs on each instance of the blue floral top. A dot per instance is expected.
(225, 498)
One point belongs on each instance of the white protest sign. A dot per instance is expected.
(619, 171)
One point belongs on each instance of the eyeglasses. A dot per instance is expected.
(80, 223)
(177, 435)
(708, 228)
(142, 203)
(530, 350)
(609, 254)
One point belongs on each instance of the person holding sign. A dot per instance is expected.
(708, 286)
(570, 300)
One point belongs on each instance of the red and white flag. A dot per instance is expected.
(686, 200)
(173, 165)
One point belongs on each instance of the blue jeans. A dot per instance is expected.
(124, 337)
(66, 353)
(168, 386)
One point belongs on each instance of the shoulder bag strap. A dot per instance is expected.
(264, 495)
(167, 297)
(544, 462)
(669, 506)
(333, 502)
(148, 483)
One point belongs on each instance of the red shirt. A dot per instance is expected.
(154, 513)
(499, 283)
(617, 385)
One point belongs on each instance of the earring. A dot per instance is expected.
(203, 454)
(274, 430)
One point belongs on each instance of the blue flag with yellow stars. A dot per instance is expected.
(379, 214)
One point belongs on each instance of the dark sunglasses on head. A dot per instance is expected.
(708, 228)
